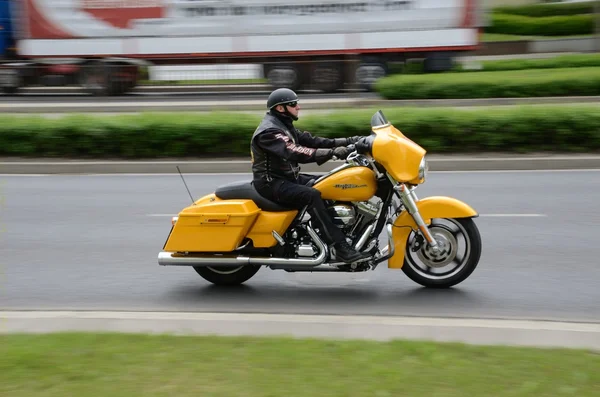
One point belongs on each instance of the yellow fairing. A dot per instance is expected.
(212, 225)
(430, 207)
(399, 155)
(351, 184)
(261, 232)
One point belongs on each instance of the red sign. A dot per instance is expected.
(120, 13)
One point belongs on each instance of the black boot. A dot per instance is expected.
(344, 252)
(334, 235)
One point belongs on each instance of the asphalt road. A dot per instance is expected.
(193, 93)
(190, 101)
(245, 101)
(73, 242)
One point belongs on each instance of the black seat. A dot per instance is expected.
(245, 190)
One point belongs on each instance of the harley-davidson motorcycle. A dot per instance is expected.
(228, 235)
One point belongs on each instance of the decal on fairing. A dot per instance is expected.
(345, 186)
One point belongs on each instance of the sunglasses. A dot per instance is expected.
(292, 104)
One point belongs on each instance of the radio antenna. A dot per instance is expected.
(186, 186)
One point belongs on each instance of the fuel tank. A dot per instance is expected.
(348, 184)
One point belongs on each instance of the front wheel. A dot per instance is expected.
(223, 275)
(460, 249)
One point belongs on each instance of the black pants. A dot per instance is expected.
(297, 195)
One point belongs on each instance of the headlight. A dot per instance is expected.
(423, 168)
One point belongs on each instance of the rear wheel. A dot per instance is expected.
(460, 250)
(227, 275)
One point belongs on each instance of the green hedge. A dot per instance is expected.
(128, 136)
(557, 62)
(505, 84)
(547, 10)
(544, 26)
(554, 62)
(519, 129)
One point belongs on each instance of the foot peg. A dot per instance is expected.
(348, 254)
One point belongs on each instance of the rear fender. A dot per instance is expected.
(429, 207)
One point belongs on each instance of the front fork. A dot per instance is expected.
(409, 199)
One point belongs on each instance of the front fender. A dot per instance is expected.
(429, 207)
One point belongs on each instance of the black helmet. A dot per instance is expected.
(281, 96)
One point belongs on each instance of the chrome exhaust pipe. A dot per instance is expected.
(389, 250)
(364, 238)
(325, 268)
(176, 259)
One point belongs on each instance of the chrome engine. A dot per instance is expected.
(343, 215)
(354, 219)
(306, 250)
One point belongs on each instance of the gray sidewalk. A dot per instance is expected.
(472, 331)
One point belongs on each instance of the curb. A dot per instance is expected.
(471, 331)
(441, 163)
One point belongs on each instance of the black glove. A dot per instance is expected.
(341, 152)
(353, 139)
(363, 145)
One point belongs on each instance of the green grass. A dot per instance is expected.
(493, 37)
(141, 365)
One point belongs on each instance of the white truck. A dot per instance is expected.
(324, 45)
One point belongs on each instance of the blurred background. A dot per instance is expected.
(116, 48)
(143, 79)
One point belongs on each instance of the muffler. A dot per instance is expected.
(178, 259)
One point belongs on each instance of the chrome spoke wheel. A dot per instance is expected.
(459, 250)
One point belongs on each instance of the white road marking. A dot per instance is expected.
(481, 215)
(500, 171)
(247, 174)
(513, 215)
(109, 174)
(171, 215)
(24, 175)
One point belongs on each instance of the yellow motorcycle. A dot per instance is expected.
(228, 235)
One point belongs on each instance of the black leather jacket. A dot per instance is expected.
(277, 147)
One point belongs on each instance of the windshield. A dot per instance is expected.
(378, 120)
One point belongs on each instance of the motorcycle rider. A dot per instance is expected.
(276, 149)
